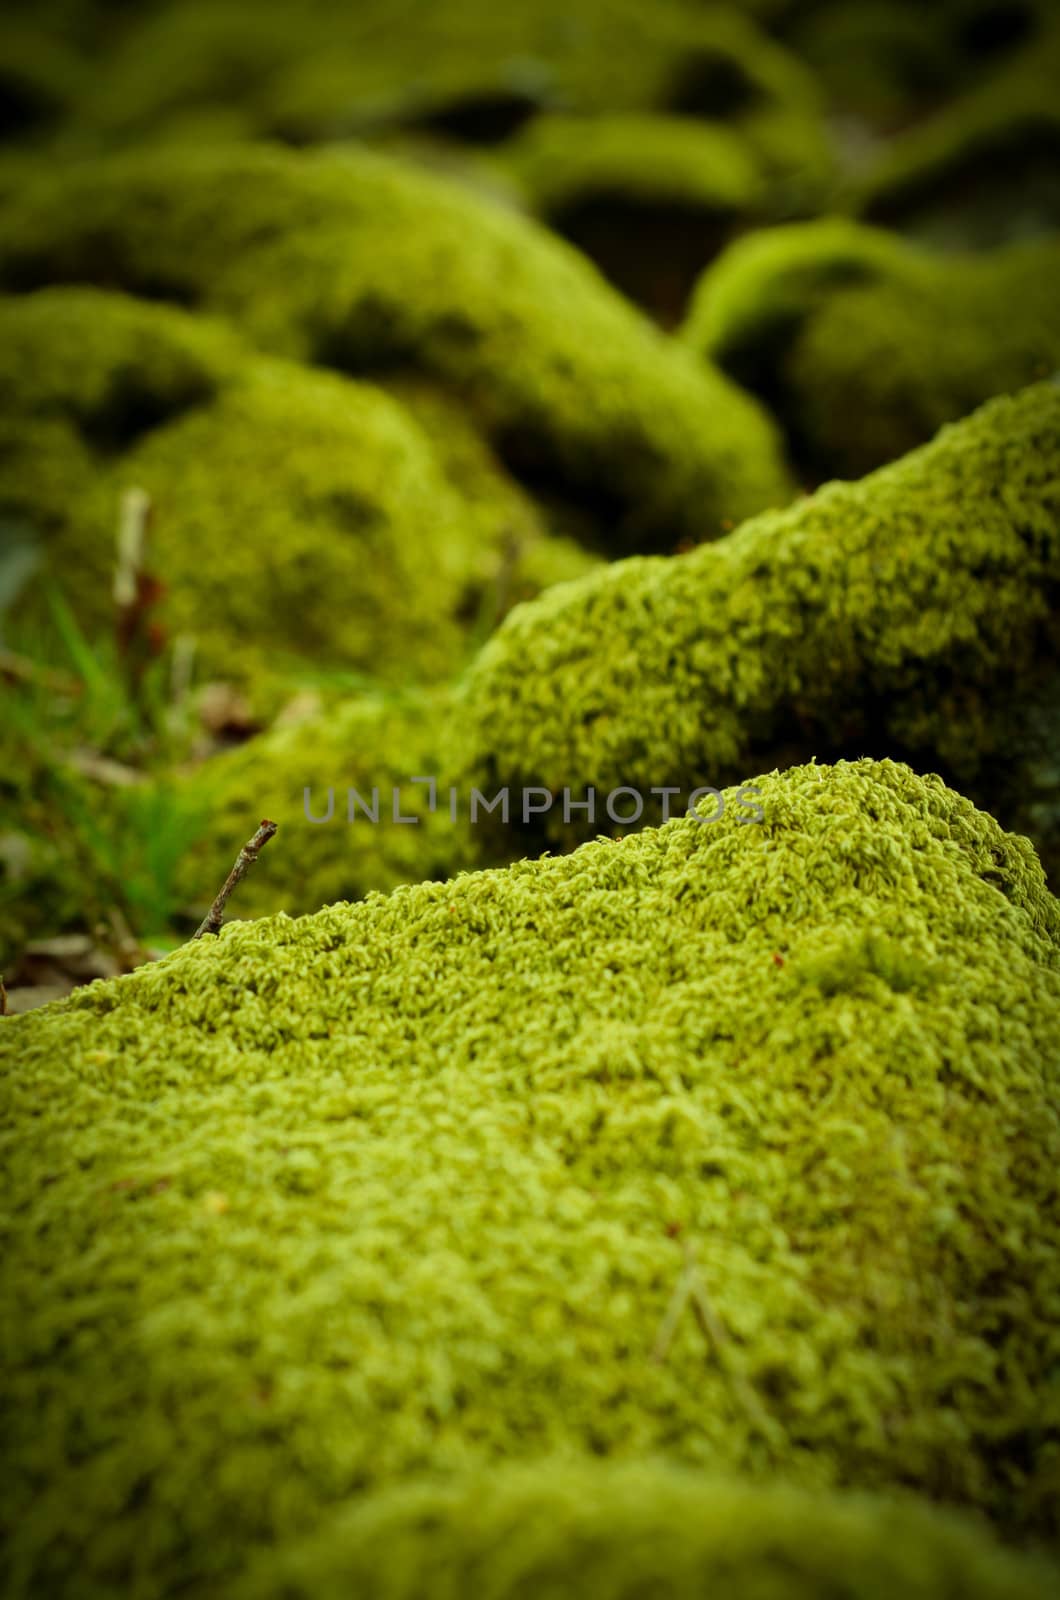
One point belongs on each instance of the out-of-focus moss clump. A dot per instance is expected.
(349, 260)
(865, 345)
(983, 169)
(464, 70)
(913, 612)
(297, 516)
(731, 1143)
(567, 1529)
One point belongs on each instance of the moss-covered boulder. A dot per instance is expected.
(730, 1144)
(564, 1530)
(983, 169)
(911, 613)
(298, 517)
(864, 345)
(349, 260)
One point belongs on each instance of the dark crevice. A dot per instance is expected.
(712, 85)
(483, 119)
(652, 249)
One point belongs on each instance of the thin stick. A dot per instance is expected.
(244, 861)
(3, 999)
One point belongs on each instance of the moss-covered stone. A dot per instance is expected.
(865, 345)
(297, 774)
(347, 259)
(563, 1530)
(913, 612)
(731, 1144)
(983, 169)
(298, 516)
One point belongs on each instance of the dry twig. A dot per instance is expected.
(211, 923)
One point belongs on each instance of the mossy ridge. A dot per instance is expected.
(864, 345)
(403, 1187)
(981, 171)
(910, 613)
(313, 256)
(271, 484)
(563, 1529)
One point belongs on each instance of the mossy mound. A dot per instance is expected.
(865, 345)
(297, 515)
(349, 260)
(565, 1530)
(912, 613)
(733, 1144)
(983, 169)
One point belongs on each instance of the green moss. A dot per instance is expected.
(365, 742)
(983, 169)
(913, 612)
(297, 515)
(316, 1207)
(865, 345)
(352, 261)
(563, 1530)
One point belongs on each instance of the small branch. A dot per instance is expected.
(136, 590)
(3, 999)
(244, 861)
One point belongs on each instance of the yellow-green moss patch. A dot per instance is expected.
(315, 1207)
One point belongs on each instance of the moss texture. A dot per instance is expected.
(564, 1530)
(348, 259)
(983, 169)
(733, 1144)
(298, 515)
(913, 612)
(864, 345)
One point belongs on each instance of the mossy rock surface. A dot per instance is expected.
(732, 1144)
(911, 613)
(298, 516)
(349, 260)
(566, 1529)
(864, 345)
